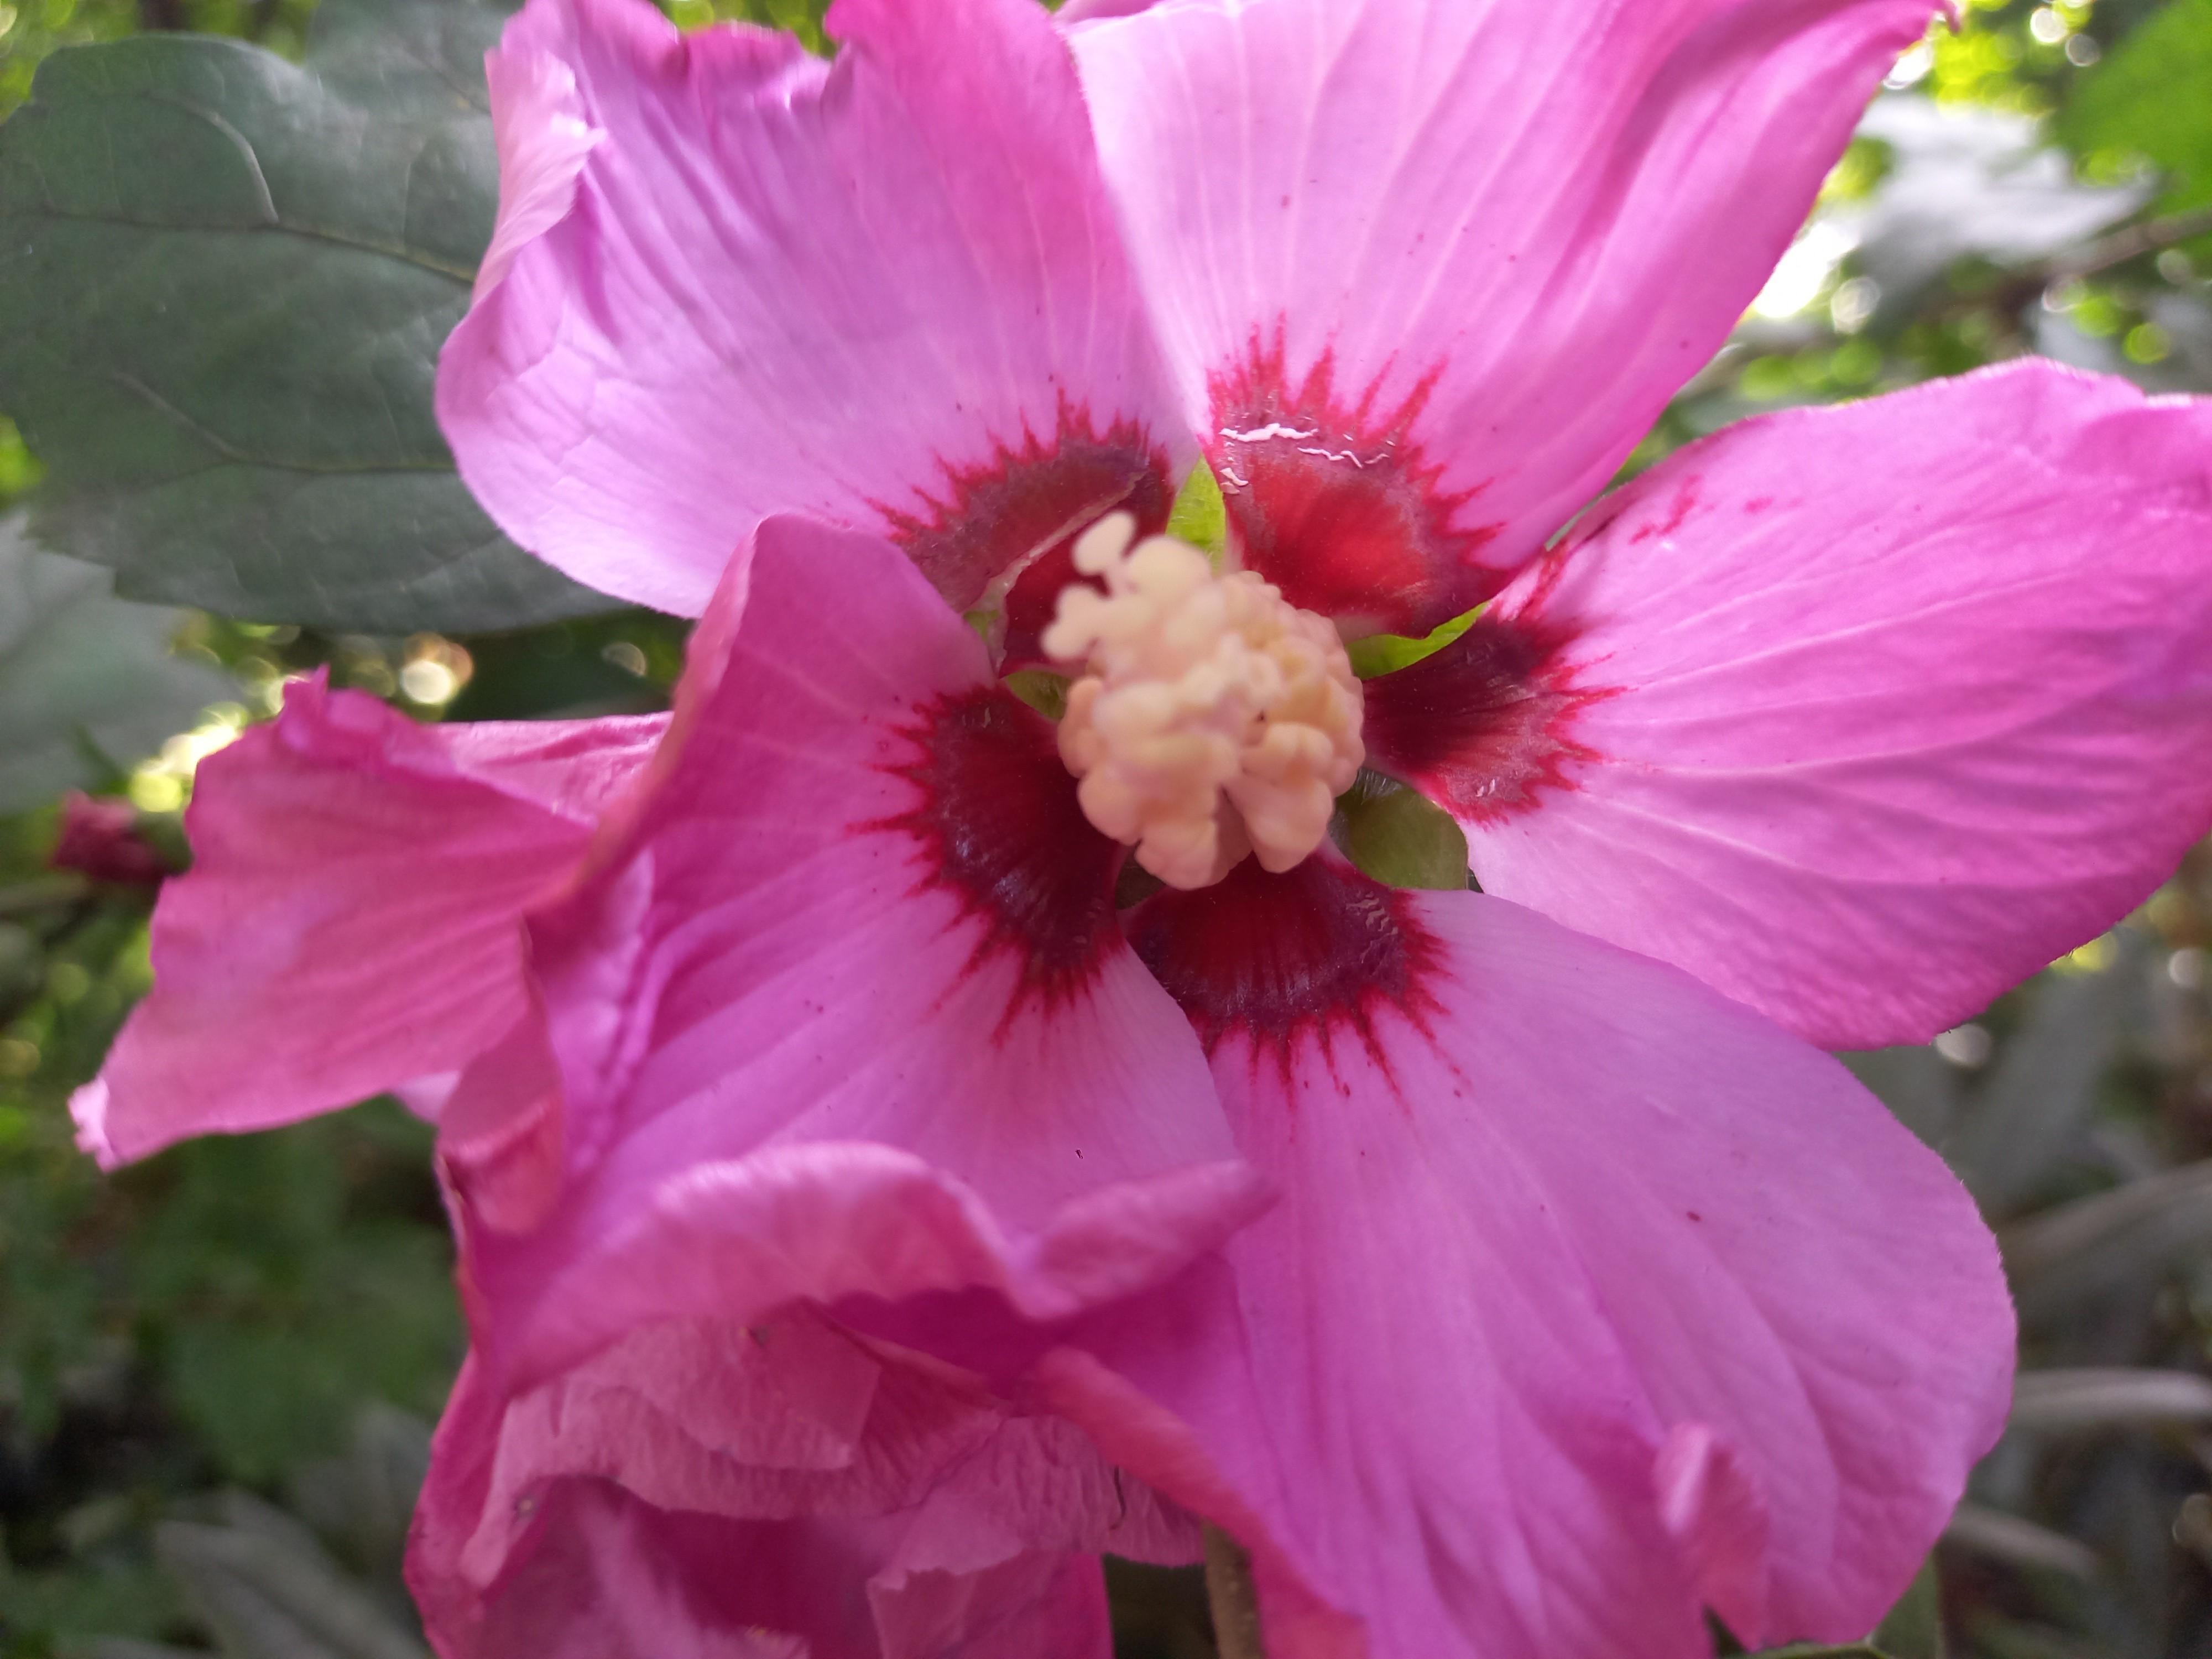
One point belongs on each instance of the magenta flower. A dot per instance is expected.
(867, 1219)
(100, 837)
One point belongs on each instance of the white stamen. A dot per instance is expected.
(1213, 720)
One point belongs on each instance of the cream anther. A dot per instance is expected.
(1210, 718)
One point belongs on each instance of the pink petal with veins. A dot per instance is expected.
(1860, 714)
(704, 1486)
(888, 292)
(1550, 1211)
(352, 921)
(842, 1010)
(1427, 269)
(538, 127)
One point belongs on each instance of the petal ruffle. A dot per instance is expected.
(1591, 1295)
(1863, 714)
(352, 921)
(538, 123)
(888, 292)
(706, 1483)
(1427, 269)
(843, 1009)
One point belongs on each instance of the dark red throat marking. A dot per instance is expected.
(1482, 726)
(1041, 492)
(1314, 955)
(1336, 504)
(1001, 830)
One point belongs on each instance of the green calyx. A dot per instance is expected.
(1399, 836)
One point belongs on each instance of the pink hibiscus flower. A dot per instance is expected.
(875, 1202)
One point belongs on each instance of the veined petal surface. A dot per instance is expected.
(889, 292)
(1861, 714)
(1427, 269)
(1591, 1296)
(842, 1010)
(538, 126)
(353, 918)
(707, 1481)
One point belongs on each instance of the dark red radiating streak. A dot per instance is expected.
(1340, 508)
(1312, 957)
(1000, 828)
(1040, 493)
(1484, 726)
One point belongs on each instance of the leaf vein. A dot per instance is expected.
(238, 457)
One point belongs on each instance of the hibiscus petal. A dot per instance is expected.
(612, 1578)
(785, 1479)
(1590, 1294)
(844, 1011)
(1427, 269)
(731, 280)
(542, 137)
(1860, 714)
(352, 919)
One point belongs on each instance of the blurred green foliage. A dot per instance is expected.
(218, 1314)
(801, 17)
(30, 29)
(2149, 103)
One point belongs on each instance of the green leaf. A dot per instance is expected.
(1042, 690)
(362, 1500)
(2151, 99)
(1913, 1629)
(1386, 653)
(86, 682)
(225, 279)
(263, 1586)
(1199, 516)
(2090, 1399)
(2064, 1260)
(801, 17)
(1400, 837)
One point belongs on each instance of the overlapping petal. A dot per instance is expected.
(1592, 1296)
(542, 136)
(784, 1483)
(888, 292)
(1861, 714)
(844, 1011)
(1426, 270)
(352, 921)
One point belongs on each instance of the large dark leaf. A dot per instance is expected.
(86, 682)
(224, 280)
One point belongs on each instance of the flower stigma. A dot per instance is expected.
(1210, 718)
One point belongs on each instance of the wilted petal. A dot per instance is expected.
(845, 1012)
(1860, 714)
(888, 292)
(1427, 269)
(704, 1481)
(1591, 1295)
(352, 919)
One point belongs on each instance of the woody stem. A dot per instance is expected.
(1235, 1602)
